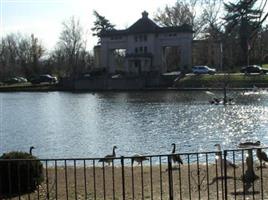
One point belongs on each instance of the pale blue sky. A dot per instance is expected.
(44, 17)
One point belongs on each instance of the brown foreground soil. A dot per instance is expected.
(148, 183)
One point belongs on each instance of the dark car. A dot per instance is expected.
(253, 69)
(45, 78)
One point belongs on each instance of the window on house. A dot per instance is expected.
(136, 50)
(145, 49)
(146, 63)
(172, 34)
(136, 38)
(136, 63)
(141, 49)
(145, 37)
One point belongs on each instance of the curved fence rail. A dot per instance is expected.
(231, 174)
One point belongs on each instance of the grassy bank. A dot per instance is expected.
(218, 80)
(28, 87)
(236, 80)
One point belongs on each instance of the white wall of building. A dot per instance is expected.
(154, 44)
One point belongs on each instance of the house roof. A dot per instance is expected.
(146, 25)
(143, 25)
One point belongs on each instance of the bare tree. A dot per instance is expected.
(30, 50)
(70, 45)
(19, 55)
(192, 12)
(176, 15)
(70, 57)
(37, 50)
(10, 59)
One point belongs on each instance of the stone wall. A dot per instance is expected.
(135, 83)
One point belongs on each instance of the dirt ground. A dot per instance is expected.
(145, 182)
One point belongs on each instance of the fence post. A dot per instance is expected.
(170, 178)
(123, 177)
(225, 175)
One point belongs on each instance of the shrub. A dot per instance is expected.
(19, 176)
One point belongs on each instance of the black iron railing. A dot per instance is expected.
(231, 174)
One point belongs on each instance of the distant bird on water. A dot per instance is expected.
(176, 157)
(262, 156)
(109, 158)
(31, 150)
(249, 143)
(138, 158)
(221, 160)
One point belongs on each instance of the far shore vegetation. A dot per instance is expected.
(235, 80)
(190, 81)
(240, 27)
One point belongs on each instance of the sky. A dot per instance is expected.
(44, 18)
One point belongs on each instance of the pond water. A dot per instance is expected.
(63, 124)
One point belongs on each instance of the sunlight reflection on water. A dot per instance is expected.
(62, 124)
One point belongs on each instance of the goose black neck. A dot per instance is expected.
(174, 148)
(114, 151)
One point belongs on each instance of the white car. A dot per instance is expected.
(203, 69)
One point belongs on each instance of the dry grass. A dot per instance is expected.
(147, 188)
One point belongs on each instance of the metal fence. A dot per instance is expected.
(231, 174)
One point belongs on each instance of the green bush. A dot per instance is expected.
(19, 176)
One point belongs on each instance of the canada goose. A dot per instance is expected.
(31, 150)
(262, 156)
(222, 161)
(249, 143)
(176, 157)
(255, 88)
(215, 101)
(138, 158)
(109, 158)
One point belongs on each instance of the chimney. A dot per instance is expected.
(145, 14)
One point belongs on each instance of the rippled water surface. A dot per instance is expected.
(63, 124)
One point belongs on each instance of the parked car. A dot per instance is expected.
(11, 81)
(253, 69)
(44, 78)
(22, 79)
(15, 80)
(203, 69)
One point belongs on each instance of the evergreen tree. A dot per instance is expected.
(101, 24)
(244, 21)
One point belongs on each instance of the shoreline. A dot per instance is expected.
(55, 88)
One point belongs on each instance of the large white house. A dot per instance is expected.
(145, 47)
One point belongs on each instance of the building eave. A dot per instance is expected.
(175, 29)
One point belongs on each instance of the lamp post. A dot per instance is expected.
(248, 49)
(221, 56)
